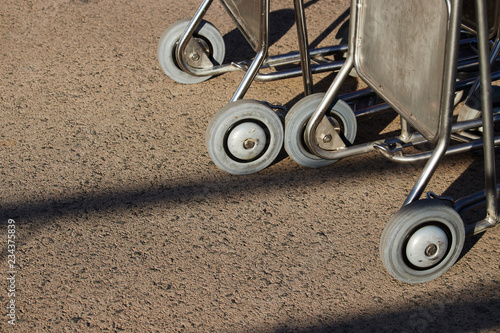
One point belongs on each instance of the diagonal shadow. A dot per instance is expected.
(174, 192)
(39, 213)
(280, 23)
(478, 313)
(342, 33)
(469, 182)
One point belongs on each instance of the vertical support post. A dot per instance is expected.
(405, 130)
(305, 60)
(487, 111)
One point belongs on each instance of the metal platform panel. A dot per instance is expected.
(400, 52)
(248, 16)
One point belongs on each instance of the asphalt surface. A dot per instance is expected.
(123, 222)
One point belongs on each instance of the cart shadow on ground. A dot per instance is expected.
(436, 315)
(280, 23)
(476, 314)
(469, 182)
(182, 191)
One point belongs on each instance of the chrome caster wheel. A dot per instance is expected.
(340, 115)
(422, 241)
(209, 41)
(244, 137)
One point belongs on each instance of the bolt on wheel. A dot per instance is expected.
(244, 137)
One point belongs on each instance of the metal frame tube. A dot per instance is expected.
(305, 60)
(259, 58)
(296, 72)
(446, 108)
(456, 149)
(416, 138)
(188, 34)
(331, 94)
(471, 201)
(495, 51)
(487, 110)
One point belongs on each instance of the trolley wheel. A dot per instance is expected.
(474, 112)
(341, 115)
(206, 35)
(244, 137)
(422, 241)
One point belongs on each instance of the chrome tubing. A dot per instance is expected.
(416, 138)
(487, 110)
(471, 201)
(260, 58)
(396, 156)
(330, 96)
(188, 34)
(305, 61)
(446, 108)
(296, 72)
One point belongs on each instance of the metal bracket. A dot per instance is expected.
(327, 135)
(196, 54)
(393, 148)
(450, 200)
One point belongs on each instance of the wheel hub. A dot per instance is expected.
(427, 246)
(431, 250)
(249, 143)
(197, 54)
(246, 141)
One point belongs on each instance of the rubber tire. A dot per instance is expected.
(471, 113)
(296, 121)
(232, 114)
(168, 43)
(404, 223)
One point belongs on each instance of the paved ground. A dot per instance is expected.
(123, 223)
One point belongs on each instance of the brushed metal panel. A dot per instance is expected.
(247, 14)
(400, 52)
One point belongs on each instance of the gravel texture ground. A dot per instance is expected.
(123, 223)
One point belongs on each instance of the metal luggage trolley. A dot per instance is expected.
(407, 52)
(193, 50)
(245, 136)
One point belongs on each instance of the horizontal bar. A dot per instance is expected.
(471, 201)
(479, 227)
(398, 157)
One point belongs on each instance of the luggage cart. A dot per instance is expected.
(407, 52)
(246, 136)
(193, 50)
